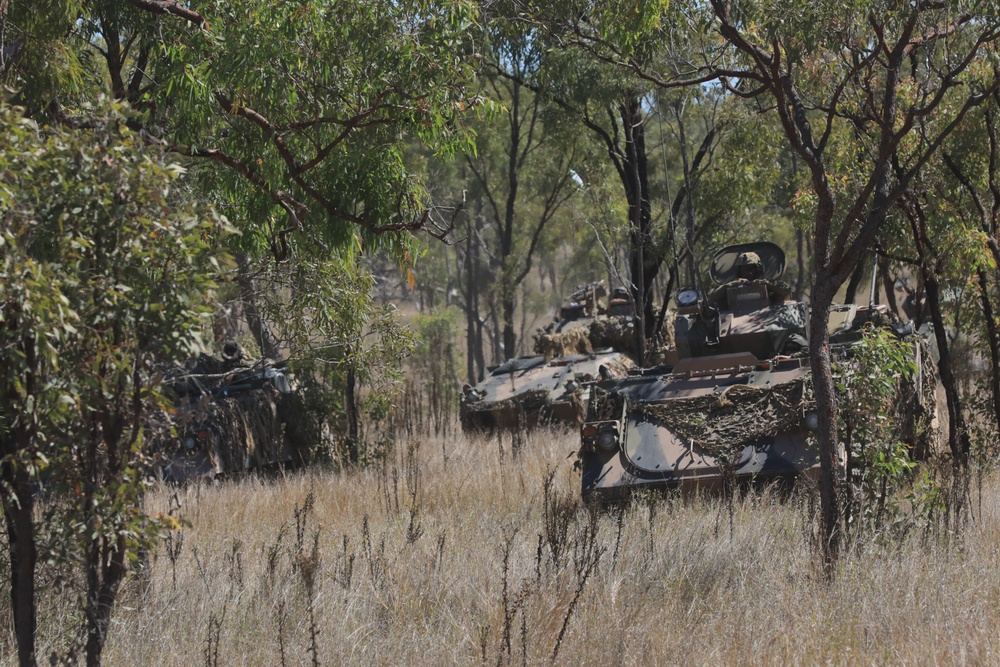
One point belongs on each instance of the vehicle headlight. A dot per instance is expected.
(812, 421)
(687, 297)
(607, 440)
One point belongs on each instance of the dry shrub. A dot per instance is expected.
(650, 582)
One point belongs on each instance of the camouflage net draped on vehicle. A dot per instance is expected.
(527, 409)
(725, 422)
(617, 332)
(563, 344)
(619, 366)
(248, 426)
(531, 399)
(233, 411)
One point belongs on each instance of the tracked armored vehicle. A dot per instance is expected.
(228, 418)
(736, 401)
(552, 387)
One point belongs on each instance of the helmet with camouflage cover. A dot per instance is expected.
(749, 265)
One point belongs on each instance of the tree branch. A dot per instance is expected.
(174, 8)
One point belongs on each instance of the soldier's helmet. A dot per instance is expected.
(749, 266)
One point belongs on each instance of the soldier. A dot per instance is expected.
(749, 269)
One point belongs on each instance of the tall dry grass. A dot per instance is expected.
(457, 552)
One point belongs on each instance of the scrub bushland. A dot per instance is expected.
(458, 551)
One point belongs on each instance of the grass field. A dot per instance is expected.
(456, 552)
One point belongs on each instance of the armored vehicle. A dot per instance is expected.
(552, 386)
(228, 418)
(736, 401)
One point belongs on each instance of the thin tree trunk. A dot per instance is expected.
(351, 410)
(889, 285)
(826, 404)
(958, 435)
(992, 341)
(472, 331)
(637, 192)
(248, 294)
(18, 496)
(800, 260)
(857, 278)
(106, 570)
(509, 336)
(23, 557)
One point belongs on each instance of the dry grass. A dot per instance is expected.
(456, 553)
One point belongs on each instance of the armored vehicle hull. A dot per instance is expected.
(552, 387)
(698, 425)
(737, 403)
(228, 419)
(532, 391)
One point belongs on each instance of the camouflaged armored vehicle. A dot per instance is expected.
(228, 418)
(736, 402)
(592, 331)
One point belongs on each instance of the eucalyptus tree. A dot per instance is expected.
(972, 158)
(682, 153)
(294, 116)
(106, 266)
(854, 86)
(289, 116)
(523, 165)
(952, 213)
(857, 89)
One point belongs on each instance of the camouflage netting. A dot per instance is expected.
(526, 409)
(617, 332)
(526, 399)
(249, 427)
(574, 341)
(619, 366)
(721, 423)
(247, 424)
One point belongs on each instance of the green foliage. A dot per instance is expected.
(434, 358)
(325, 315)
(297, 109)
(41, 62)
(105, 271)
(871, 385)
(304, 96)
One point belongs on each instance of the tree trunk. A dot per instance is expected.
(889, 285)
(248, 294)
(23, 559)
(857, 278)
(507, 307)
(473, 332)
(351, 412)
(105, 571)
(992, 341)
(826, 407)
(18, 495)
(636, 181)
(800, 260)
(958, 435)
(496, 341)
